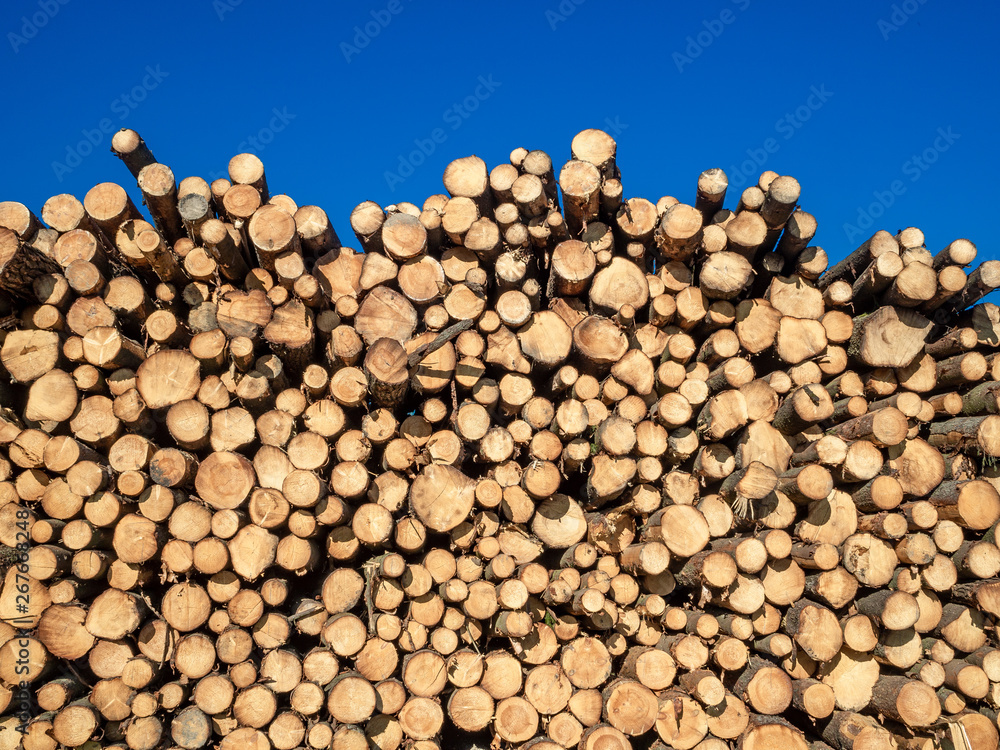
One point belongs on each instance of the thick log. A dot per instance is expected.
(889, 337)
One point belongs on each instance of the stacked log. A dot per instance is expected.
(534, 460)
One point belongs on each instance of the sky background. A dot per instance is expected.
(886, 112)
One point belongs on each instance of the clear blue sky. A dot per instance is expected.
(854, 99)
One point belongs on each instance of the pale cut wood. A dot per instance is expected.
(889, 337)
(769, 482)
(129, 146)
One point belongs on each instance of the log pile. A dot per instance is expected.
(534, 460)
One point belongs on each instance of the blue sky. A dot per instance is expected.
(885, 111)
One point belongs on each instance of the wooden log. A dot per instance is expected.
(885, 427)
(765, 687)
(964, 432)
(620, 283)
(805, 406)
(906, 329)
(878, 244)
(598, 148)
(129, 146)
(679, 234)
(21, 264)
(468, 178)
(159, 192)
(271, 232)
(847, 729)
(981, 282)
(580, 182)
(970, 504)
(908, 701)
